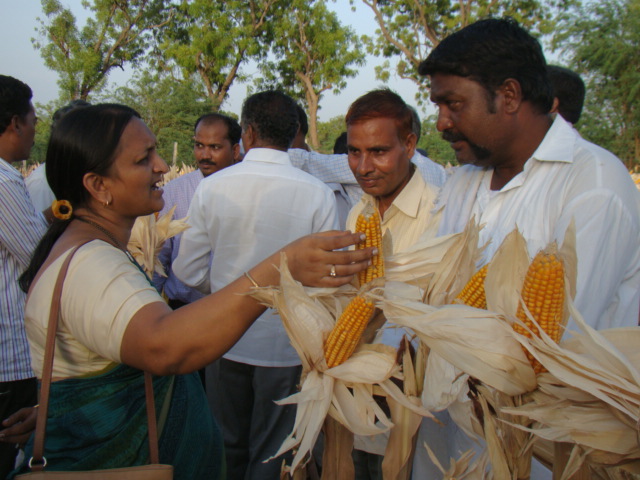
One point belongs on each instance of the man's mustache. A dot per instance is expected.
(453, 137)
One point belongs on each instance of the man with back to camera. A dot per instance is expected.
(568, 93)
(239, 216)
(523, 168)
(21, 228)
(381, 142)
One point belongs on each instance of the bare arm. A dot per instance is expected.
(164, 342)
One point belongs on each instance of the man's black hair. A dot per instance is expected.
(569, 89)
(234, 132)
(340, 145)
(302, 119)
(273, 116)
(491, 51)
(15, 99)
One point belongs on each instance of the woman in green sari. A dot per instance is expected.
(114, 325)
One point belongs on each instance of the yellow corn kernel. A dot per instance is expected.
(543, 294)
(473, 294)
(348, 330)
(370, 226)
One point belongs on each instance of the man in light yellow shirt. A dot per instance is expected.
(381, 142)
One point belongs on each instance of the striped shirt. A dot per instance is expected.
(21, 228)
(335, 169)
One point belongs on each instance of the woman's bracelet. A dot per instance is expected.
(253, 282)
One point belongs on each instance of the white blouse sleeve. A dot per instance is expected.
(103, 290)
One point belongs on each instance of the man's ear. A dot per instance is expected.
(511, 92)
(410, 144)
(248, 137)
(97, 187)
(16, 124)
(236, 153)
(556, 104)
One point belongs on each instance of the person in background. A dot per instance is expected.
(521, 167)
(381, 142)
(21, 227)
(37, 186)
(300, 140)
(568, 92)
(216, 145)
(113, 322)
(239, 216)
(340, 145)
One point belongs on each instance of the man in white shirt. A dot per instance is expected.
(21, 228)
(522, 168)
(381, 143)
(238, 217)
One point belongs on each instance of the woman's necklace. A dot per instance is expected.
(110, 236)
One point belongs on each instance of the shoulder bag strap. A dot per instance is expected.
(38, 461)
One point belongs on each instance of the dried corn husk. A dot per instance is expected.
(344, 392)
(478, 342)
(591, 395)
(439, 266)
(147, 237)
(398, 456)
(462, 468)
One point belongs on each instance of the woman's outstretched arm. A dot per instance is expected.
(165, 342)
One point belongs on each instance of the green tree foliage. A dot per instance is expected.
(215, 38)
(409, 29)
(314, 53)
(328, 132)
(43, 130)
(431, 140)
(117, 33)
(169, 107)
(604, 38)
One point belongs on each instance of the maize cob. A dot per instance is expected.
(543, 294)
(473, 293)
(370, 226)
(348, 330)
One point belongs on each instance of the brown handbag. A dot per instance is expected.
(37, 463)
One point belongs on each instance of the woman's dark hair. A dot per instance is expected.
(84, 141)
(489, 52)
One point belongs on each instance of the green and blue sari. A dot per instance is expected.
(100, 422)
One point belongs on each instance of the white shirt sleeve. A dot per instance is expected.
(192, 264)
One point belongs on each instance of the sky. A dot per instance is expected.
(19, 58)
